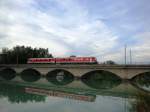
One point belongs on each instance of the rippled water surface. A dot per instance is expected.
(61, 92)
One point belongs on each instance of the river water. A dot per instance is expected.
(77, 95)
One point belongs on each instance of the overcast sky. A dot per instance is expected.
(98, 28)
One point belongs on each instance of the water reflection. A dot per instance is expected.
(16, 93)
(60, 77)
(96, 91)
(142, 81)
(101, 79)
(54, 93)
(136, 101)
(142, 103)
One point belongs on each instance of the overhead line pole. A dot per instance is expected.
(130, 56)
(125, 55)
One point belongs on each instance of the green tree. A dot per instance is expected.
(20, 54)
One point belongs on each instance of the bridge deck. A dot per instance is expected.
(74, 66)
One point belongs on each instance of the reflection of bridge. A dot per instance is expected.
(125, 72)
(75, 90)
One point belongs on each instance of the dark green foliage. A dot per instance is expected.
(20, 54)
(7, 74)
(30, 75)
(16, 94)
(67, 77)
(101, 79)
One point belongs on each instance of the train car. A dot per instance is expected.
(41, 60)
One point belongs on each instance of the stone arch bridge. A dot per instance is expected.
(123, 71)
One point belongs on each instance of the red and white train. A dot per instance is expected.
(68, 60)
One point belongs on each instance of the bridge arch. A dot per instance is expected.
(101, 70)
(101, 79)
(30, 75)
(142, 81)
(7, 73)
(59, 76)
(3, 68)
(141, 73)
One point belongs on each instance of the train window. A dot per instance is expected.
(93, 59)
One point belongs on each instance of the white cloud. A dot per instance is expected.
(71, 33)
(65, 30)
(141, 50)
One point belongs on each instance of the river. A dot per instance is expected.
(62, 94)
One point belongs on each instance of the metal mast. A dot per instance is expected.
(130, 56)
(125, 55)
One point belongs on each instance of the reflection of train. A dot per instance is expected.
(75, 96)
(68, 60)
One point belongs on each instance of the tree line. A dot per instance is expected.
(20, 54)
